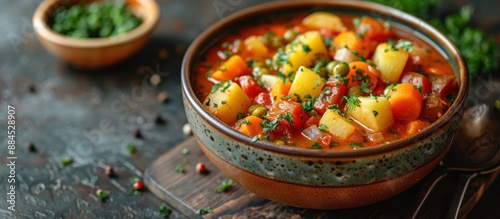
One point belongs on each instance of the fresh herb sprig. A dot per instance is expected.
(481, 53)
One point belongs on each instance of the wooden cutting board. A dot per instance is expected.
(189, 191)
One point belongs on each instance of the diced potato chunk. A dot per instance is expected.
(255, 47)
(374, 113)
(306, 84)
(336, 125)
(270, 81)
(390, 62)
(324, 20)
(304, 51)
(227, 102)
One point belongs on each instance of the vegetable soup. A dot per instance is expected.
(325, 81)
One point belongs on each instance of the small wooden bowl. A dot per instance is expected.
(323, 179)
(94, 53)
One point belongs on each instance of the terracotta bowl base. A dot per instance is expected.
(313, 197)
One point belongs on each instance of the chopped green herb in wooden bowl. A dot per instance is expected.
(93, 34)
(94, 20)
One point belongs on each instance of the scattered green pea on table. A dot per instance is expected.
(95, 20)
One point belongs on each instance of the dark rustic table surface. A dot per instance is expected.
(90, 116)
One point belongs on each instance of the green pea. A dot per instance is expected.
(341, 69)
(322, 72)
(280, 142)
(259, 111)
(289, 35)
(276, 42)
(355, 91)
(252, 108)
(330, 66)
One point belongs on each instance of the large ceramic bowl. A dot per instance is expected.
(320, 179)
(95, 52)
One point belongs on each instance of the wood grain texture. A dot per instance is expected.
(190, 191)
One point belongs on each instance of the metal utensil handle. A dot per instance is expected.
(458, 196)
(428, 185)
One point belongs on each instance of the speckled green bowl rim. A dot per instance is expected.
(405, 21)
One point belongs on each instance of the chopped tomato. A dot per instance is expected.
(330, 95)
(356, 137)
(325, 140)
(290, 111)
(380, 88)
(264, 99)
(418, 80)
(250, 86)
(313, 120)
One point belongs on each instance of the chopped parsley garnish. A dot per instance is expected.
(246, 122)
(223, 102)
(373, 97)
(225, 186)
(322, 127)
(164, 211)
(240, 116)
(365, 87)
(216, 87)
(375, 113)
(103, 196)
(227, 54)
(336, 108)
(225, 45)
(289, 118)
(226, 86)
(387, 25)
(356, 22)
(179, 168)
(333, 144)
(255, 138)
(203, 211)
(316, 145)
(419, 88)
(215, 105)
(67, 161)
(355, 145)
(306, 48)
(208, 102)
(270, 126)
(405, 45)
(308, 105)
(131, 149)
(352, 102)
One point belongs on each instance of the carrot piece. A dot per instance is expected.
(278, 30)
(233, 67)
(406, 102)
(407, 128)
(280, 90)
(350, 40)
(415, 126)
(250, 126)
(373, 30)
(360, 72)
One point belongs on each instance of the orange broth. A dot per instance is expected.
(428, 64)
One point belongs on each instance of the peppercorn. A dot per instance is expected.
(201, 168)
(109, 171)
(139, 185)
